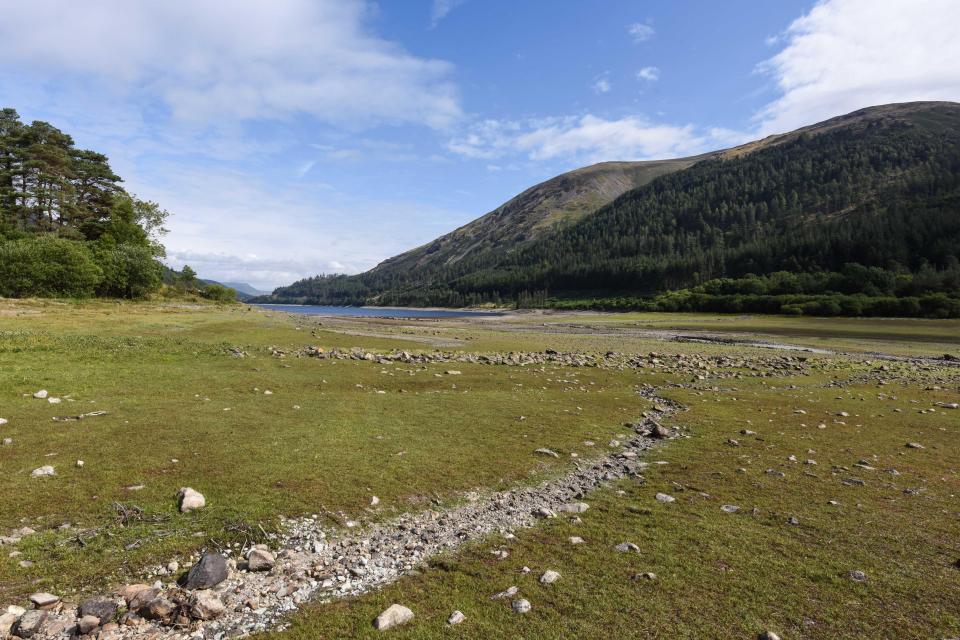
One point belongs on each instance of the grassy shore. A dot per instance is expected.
(183, 411)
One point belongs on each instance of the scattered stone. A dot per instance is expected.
(210, 571)
(521, 606)
(100, 608)
(624, 547)
(374, 501)
(260, 559)
(456, 618)
(191, 499)
(857, 576)
(3, 421)
(43, 600)
(30, 623)
(547, 452)
(549, 577)
(576, 540)
(573, 507)
(206, 606)
(159, 609)
(41, 395)
(730, 508)
(87, 624)
(7, 442)
(509, 592)
(44, 471)
(768, 635)
(665, 498)
(792, 520)
(914, 445)
(395, 615)
(646, 575)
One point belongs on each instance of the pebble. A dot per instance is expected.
(456, 618)
(576, 540)
(665, 498)
(624, 547)
(730, 508)
(40, 395)
(191, 500)
(43, 471)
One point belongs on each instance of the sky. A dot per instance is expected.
(295, 137)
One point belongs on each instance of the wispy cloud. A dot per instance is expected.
(207, 66)
(601, 85)
(441, 8)
(641, 31)
(847, 54)
(649, 74)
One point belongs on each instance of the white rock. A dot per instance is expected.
(260, 559)
(80, 464)
(521, 605)
(665, 498)
(395, 615)
(374, 501)
(573, 507)
(191, 499)
(549, 577)
(45, 470)
(456, 618)
(576, 540)
(41, 394)
(54, 400)
(7, 442)
(3, 421)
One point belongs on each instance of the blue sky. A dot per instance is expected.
(294, 137)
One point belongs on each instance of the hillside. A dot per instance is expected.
(864, 204)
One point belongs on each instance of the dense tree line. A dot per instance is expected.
(879, 199)
(67, 227)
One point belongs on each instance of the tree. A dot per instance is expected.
(188, 277)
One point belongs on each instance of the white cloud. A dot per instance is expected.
(602, 85)
(211, 62)
(589, 138)
(848, 54)
(640, 31)
(441, 8)
(650, 74)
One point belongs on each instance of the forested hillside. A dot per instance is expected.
(858, 215)
(67, 227)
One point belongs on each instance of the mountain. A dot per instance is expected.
(246, 289)
(866, 204)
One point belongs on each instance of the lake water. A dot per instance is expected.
(377, 312)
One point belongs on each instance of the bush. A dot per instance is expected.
(129, 271)
(47, 266)
(219, 293)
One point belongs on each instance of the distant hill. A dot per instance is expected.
(859, 214)
(245, 289)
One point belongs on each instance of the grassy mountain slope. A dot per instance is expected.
(863, 204)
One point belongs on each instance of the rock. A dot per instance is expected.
(646, 575)
(191, 499)
(45, 470)
(665, 498)
(456, 618)
(102, 609)
(7, 442)
(549, 577)
(857, 576)
(573, 507)
(7, 621)
(206, 606)
(88, 624)
(547, 452)
(3, 421)
(506, 593)
(374, 501)
(521, 606)
(576, 540)
(625, 547)
(260, 560)
(914, 445)
(159, 609)
(768, 635)
(54, 400)
(394, 616)
(80, 464)
(792, 520)
(137, 595)
(544, 512)
(209, 571)
(730, 508)
(43, 600)
(40, 395)
(30, 623)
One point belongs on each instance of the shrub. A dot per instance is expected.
(47, 266)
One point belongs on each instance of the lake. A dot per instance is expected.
(377, 312)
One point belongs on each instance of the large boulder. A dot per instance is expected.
(260, 559)
(206, 606)
(209, 571)
(100, 608)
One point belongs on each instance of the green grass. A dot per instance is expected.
(164, 375)
(719, 574)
